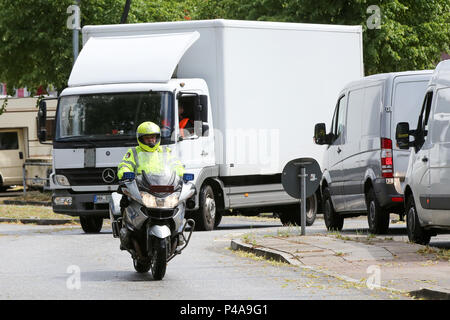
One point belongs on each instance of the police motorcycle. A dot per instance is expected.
(149, 217)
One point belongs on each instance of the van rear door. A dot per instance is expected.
(12, 156)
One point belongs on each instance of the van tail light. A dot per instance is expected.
(387, 163)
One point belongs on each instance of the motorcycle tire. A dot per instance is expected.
(159, 259)
(141, 267)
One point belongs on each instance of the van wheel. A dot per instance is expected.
(206, 215)
(333, 221)
(416, 233)
(91, 224)
(377, 217)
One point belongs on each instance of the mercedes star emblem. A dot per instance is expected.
(108, 175)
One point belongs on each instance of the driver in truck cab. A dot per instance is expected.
(149, 155)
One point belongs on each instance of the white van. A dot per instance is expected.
(427, 185)
(362, 169)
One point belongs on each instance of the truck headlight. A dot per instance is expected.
(151, 201)
(62, 201)
(62, 180)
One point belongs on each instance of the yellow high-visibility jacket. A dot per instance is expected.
(136, 160)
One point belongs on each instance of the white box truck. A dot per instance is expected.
(254, 89)
(19, 144)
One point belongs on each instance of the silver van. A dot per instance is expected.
(363, 170)
(427, 185)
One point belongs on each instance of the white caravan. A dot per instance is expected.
(254, 89)
(19, 144)
(427, 183)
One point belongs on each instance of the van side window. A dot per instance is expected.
(9, 141)
(429, 99)
(440, 131)
(355, 115)
(422, 126)
(341, 115)
(338, 123)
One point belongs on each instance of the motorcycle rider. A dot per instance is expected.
(149, 156)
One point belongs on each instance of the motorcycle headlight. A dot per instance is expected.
(151, 201)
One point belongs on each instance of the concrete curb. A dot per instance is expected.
(48, 222)
(25, 203)
(288, 258)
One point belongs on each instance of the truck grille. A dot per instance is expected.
(90, 176)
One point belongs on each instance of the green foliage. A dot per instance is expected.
(412, 34)
(36, 46)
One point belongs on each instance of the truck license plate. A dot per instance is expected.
(101, 198)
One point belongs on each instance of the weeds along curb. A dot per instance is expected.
(288, 258)
(29, 203)
(45, 222)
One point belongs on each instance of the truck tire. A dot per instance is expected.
(91, 224)
(416, 233)
(333, 221)
(377, 217)
(205, 217)
(218, 218)
(291, 215)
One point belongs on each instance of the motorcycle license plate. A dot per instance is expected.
(101, 198)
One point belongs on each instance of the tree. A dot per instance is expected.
(36, 46)
(412, 34)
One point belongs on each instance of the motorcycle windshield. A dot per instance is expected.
(157, 175)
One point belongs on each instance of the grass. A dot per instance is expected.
(439, 254)
(45, 196)
(252, 256)
(30, 212)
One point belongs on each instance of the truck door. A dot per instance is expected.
(196, 144)
(421, 162)
(439, 125)
(12, 155)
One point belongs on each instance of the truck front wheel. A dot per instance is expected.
(206, 215)
(91, 224)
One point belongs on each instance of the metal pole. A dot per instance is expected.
(24, 181)
(75, 33)
(75, 44)
(303, 204)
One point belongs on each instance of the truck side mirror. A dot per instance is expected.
(402, 134)
(320, 135)
(42, 119)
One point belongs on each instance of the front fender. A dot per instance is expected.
(159, 231)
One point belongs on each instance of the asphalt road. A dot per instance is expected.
(45, 262)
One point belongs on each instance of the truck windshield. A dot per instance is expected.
(113, 116)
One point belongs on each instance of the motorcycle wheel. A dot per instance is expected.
(141, 267)
(159, 259)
